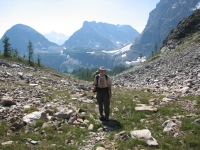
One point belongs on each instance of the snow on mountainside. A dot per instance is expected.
(123, 51)
(115, 51)
(118, 51)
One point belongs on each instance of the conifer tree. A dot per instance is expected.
(30, 52)
(152, 53)
(140, 56)
(38, 60)
(7, 48)
(24, 56)
(15, 52)
(156, 48)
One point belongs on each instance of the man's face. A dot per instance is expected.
(102, 71)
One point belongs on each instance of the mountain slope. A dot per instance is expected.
(176, 70)
(88, 38)
(162, 20)
(185, 27)
(20, 34)
(101, 36)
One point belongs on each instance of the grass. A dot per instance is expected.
(123, 111)
(3, 128)
(191, 39)
(30, 110)
(154, 121)
(123, 105)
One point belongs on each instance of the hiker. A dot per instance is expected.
(102, 85)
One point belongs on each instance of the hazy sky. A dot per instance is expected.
(67, 16)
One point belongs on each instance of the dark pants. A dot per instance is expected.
(103, 102)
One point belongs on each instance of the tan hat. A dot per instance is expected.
(102, 68)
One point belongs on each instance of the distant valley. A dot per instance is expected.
(96, 44)
(85, 48)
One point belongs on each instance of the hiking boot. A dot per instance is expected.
(107, 118)
(102, 118)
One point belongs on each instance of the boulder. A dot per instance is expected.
(144, 134)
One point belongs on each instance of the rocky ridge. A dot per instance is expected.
(177, 73)
(176, 70)
(162, 20)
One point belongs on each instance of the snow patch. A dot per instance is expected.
(136, 62)
(118, 51)
(124, 55)
(90, 52)
(198, 5)
(61, 52)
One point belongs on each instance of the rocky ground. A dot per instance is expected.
(23, 88)
(174, 74)
(176, 71)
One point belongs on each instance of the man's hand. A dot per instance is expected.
(94, 89)
(110, 95)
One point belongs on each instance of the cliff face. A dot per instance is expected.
(176, 70)
(185, 27)
(166, 16)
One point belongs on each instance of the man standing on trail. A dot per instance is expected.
(102, 85)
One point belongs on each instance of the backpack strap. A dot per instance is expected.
(97, 78)
(106, 76)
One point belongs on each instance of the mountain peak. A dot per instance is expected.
(22, 27)
(20, 34)
(162, 20)
(101, 35)
(85, 23)
(58, 38)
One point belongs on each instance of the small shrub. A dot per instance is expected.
(30, 110)
(3, 128)
(39, 123)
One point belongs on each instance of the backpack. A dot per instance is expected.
(97, 78)
(96, 73)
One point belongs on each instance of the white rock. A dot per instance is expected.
(170, 125)
(7, 143)
(33, 84)
(167, 100)
(144, 134)
(185, 89)
(141, 107)
(64, 114)
(91, 127)
(32, 117)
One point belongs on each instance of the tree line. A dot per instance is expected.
(88, 73)
(81, 73)
(8, 52)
